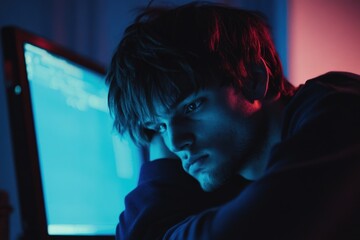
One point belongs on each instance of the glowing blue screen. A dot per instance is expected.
(86, 169)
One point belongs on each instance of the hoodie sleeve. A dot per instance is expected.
(166, 195)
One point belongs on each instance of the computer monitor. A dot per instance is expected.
(73, 170)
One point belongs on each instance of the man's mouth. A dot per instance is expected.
(194, 163)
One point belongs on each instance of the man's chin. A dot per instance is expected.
(209, 183)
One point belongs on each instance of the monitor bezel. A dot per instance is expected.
(25, 153)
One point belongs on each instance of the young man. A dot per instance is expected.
(202, 86)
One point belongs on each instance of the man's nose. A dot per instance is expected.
(179, 136)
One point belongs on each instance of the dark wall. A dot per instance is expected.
(91, 28)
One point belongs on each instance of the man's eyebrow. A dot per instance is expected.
(167, 108)
(181, 98)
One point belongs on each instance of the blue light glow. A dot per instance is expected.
(86, 169)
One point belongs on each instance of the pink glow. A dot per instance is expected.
(324, 35)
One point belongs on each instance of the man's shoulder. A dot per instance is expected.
(338, 75)
(325, 97)
(334, 81)
(321, 119)
(315, 90)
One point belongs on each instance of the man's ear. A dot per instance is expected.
(258, 82)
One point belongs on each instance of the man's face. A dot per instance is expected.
(213, 132)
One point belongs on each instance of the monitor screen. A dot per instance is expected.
(85, 169)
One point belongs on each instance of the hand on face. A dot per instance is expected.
(158, 150)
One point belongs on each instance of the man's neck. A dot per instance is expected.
(256, 168)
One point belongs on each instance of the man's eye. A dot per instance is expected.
(193, 106)
(156, 127)
(161, 128)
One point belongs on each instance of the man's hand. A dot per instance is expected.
(158, 149)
